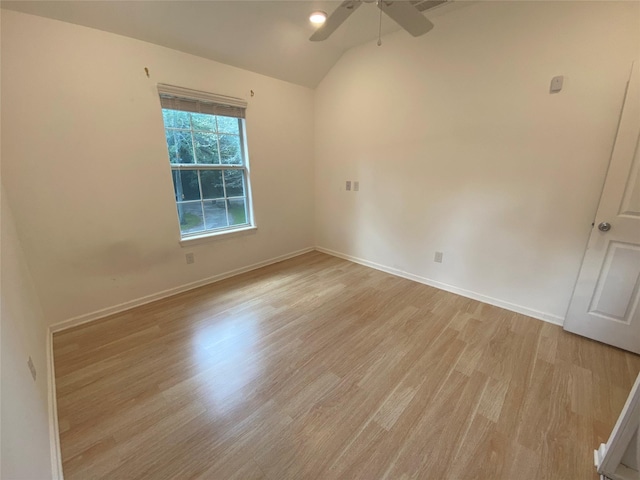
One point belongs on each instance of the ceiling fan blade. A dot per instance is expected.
(407, 16)
(340, 14)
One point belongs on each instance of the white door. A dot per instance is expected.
(605, 300)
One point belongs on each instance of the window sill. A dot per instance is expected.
(210, 237)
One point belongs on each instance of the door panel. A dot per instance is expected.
(605, 301)
(617, 287)
(631, 199)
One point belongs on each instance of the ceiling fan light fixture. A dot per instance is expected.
(318, 18)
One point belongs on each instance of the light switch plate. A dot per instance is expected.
(348, 186)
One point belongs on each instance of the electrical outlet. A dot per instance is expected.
(190, 258)
(32, 368)
(348, 186)
(438, 257)
(356, 186)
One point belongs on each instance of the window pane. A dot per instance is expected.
(206, 148)
(190, 215)
(185, 185)
(237, 211)
(202, 121)
(180, 146)
(233, 180)
(175, 118)
(228, 125)
(230, 152)
(211, 183)
(215, 214)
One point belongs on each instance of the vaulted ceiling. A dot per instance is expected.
(263, 36)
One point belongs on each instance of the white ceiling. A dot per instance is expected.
(263, 36)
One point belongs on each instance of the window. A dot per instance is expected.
(207, 153)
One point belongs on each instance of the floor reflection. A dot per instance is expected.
(227, 361)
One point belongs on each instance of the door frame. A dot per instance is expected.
(608, 458)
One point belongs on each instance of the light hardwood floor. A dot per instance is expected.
(320, 368)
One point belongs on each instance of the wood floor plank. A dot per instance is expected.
(319, 368)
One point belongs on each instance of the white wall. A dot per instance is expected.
(455, 140)
(459, 147)
(24, 420)
(86, 169)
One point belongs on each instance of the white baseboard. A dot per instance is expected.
(90, 317)
(54, 432)
(547, 317)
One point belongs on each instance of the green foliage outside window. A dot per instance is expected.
(208, 196)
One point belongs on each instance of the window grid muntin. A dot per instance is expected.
(215, 166)
(204, 220)
(224, 189)
(217, 132)
(224, 199)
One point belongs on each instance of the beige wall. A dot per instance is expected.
(460, 148)
(24, 433)
(454, 138)
(87, 173)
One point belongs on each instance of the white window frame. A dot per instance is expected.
(218, 104)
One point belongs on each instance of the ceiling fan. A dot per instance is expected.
(404, 13)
